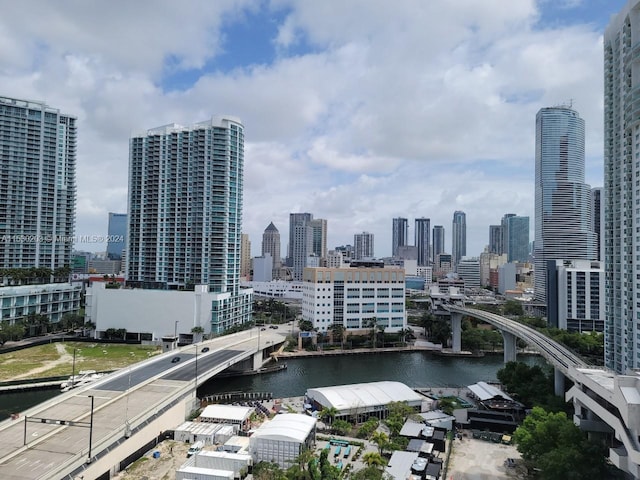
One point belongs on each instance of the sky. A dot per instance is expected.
(356, 111)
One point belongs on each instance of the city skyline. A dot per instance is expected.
(314, 100)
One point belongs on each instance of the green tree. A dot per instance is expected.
(367, 473)
(328, 414)
(381, 440)
(552, 443)
(373, 459)
(512, 307)
(305, 325)
(268, 471)
(341, 427)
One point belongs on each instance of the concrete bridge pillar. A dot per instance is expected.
(456, 332)
(257, 360)
(558, 383)
(509, 342)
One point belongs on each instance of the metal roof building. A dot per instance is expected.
(364, 398)
(281, 439)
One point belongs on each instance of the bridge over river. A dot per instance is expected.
(87, 432)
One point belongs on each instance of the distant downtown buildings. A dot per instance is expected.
(185, 209)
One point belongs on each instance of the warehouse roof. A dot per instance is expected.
(227, 412)
(287, 427)
(364, 395)
(484, 391)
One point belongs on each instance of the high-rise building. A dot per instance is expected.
(319, 245)
(117, 235)
(597, 219)
(300, 242)
(245, 256)
(562, 223)
(422, 240)
(621, 174)
(504, 224)
(400, 234)
(185, 213)
(438, 241)
(458, 237)
(516, 238)
(271, 246)
(37, 185)
(363, 246)
(495, 239)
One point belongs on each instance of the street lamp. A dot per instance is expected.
(175, 334)
(90, 429)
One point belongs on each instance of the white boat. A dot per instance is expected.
(82, 378)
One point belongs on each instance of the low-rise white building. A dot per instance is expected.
(353, 297)
(209, 433)
(575, 295)
(52, 300)
(227, 414)
(283, 438)
(153, 314)
(276, 289)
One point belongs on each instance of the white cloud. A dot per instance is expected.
(407, 108)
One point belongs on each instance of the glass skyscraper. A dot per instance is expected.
(185, 213)
(458, 237)
(562, 213)
(399, 234)
(423, 240)
(438, 241)
(517, 238)
(117, 234)
(37, 185)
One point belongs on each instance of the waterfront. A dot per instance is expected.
(416, 369)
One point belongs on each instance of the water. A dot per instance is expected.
(20, 401)
(416, 369)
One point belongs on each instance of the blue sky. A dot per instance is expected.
(355, 111)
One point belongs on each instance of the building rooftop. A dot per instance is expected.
(227, 412)
(364, 395)
(286, 427)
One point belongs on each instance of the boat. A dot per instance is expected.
(82, 378)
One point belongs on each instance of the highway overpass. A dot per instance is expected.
(90, 431)
(604, 402)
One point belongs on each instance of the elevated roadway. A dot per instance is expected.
(88, 431)
(605, 403)
(555, 353)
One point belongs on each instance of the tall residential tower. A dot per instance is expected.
(363, 246)
(185, 213)
(621, 192)
(37, 185)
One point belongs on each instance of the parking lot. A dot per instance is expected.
(474, 459)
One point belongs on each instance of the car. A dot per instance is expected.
(275, 327)
(263, 328)
(205, 350)
(510, 463)
(175, 359)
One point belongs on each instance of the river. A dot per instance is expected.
(416, 369)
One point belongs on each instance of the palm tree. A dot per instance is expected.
(381, 439)
(373, 459)
(329, 413)
(197, 333)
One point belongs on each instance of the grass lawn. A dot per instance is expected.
(46, 361)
